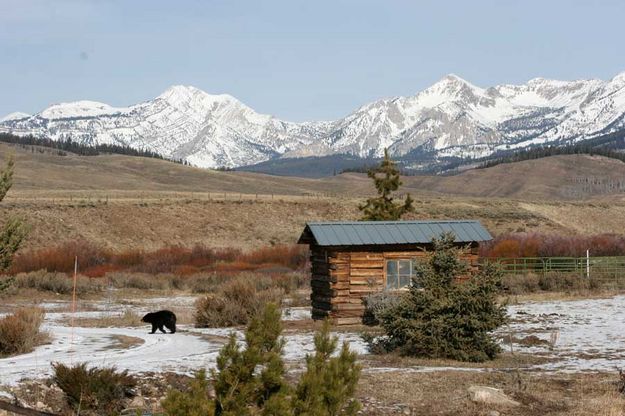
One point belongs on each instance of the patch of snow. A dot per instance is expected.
(18, 115)
(299, 345)
(168, 302)
(586, 334)
(296, 314)
(181, 352)
(82, 108)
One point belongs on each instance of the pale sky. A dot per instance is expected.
(297, 60)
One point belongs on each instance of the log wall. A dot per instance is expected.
(342, 277)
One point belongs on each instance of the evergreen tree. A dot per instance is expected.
(241, 390)
(14, 230)
(386, 180)
(251, 380)
(442, 317)
(195, 402)
(329, 383)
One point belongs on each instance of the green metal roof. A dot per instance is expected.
(390, 232)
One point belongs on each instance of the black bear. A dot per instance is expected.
(161, 319)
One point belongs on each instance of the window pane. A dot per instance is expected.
(404, 280)
(404, 267)
(391, 267)
(391, 281)
(391, 274)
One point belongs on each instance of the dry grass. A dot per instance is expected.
(505, 360)
(125, 203)
(58, 283)
(557, 296)
(445, 393)
(19, 332)
(127, 319)
(236, 301)
(247, 224)
(556, 286)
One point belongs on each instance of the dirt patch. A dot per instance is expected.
(123, 342)
(528, 341)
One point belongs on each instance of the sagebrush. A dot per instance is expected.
(377, 304)
(236, 301)
(94, 391)
(20, 332)
(58, 283)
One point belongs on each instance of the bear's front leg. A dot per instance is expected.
(153, 328)
(160, 328)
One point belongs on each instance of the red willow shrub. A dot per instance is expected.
(96, 262)
(291, 256)
(60, 258)
(553, 245)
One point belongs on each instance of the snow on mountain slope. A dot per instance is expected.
(14, 116)
(452, 117)
(181, 123)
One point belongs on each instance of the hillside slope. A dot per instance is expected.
(129, 202)
(558, 177)
(555, 177)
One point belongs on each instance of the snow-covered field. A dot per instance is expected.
(586, 334)
(582, 335)
(184, 352)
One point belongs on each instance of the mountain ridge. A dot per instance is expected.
(451, 118)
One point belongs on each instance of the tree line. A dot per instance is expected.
(610, 145)
(72, 146)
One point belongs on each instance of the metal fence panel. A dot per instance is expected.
(599, 267)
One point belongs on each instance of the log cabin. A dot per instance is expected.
(350, 260)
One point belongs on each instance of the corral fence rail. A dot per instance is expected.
(612, 267)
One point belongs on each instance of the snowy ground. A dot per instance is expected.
(184, 352)
(583, 335)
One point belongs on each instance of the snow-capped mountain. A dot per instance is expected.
(451, 118)
(14, 116)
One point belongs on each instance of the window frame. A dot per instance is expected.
(413, 273)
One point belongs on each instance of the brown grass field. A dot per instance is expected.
(125, 202)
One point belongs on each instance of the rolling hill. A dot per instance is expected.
(130, 202)
(558, 177)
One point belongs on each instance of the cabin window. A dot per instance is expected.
(400, 273)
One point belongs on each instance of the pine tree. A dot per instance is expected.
(239, 389)
(14, 230)
(251, 380)
(386, 180)
(329, 383)
(442, 317)
(195, 402)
